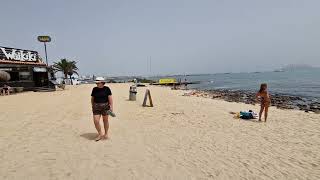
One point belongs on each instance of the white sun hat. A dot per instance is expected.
(99, 79)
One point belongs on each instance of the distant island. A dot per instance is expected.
(295, 67)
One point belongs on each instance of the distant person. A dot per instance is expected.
(265, 101)
(185, 84)
(135, 81)
(174, 86)
(6, 90)
(101, 101)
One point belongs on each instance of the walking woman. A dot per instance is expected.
(101, 101)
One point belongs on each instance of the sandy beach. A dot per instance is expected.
(49, 135)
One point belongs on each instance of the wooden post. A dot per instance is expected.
(150, 99)
(147, 94)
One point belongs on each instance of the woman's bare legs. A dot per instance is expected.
(106, 126)
(266, 113)
(96, 120)
(261, 111)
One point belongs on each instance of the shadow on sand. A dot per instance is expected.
(89, 136)
(251, 120)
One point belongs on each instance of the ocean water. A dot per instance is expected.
(303, 83)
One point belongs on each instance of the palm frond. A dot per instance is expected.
(66, 67)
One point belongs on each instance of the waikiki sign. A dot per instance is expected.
(18, 54)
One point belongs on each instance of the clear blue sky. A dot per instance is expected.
(115, 37)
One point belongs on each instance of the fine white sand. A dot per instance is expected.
(50, 136)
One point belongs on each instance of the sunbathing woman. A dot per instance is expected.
(265, 101)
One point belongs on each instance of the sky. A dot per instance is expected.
(119, 37)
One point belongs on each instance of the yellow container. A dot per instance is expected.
(167, 81)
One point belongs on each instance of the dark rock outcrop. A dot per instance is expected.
(278, 100)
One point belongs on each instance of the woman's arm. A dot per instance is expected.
(92, 96)
(110, 102)
(257, 97)
(92, 100)
(269, 97)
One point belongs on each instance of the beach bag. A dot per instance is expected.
(248, 114)
(245, 115)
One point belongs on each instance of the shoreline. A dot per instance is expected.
(278, 100)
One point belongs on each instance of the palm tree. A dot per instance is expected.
(66, 67)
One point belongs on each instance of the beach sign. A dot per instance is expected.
(17, 54)
(44, 38)
(146, 96)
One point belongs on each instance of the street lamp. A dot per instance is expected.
(45, 39)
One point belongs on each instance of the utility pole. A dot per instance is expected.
(45, 50)
(150, 66)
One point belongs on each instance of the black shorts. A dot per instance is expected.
(100, 109)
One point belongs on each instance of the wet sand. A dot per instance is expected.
(50, 136)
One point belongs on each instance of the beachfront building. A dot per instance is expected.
(25, 67)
